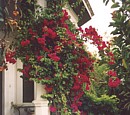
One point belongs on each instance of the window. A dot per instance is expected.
(28, 91)
(87, 13)
(28, 86)
(25, 88)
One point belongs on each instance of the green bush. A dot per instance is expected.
(97, 100)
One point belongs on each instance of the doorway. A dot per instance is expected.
(0, 93)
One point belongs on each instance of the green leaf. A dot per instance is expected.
(106, 2)
(29, 1)
(128, 8)
(115, 5)
(124, 63)
(113, 24)
(113, 1)
(116, 31)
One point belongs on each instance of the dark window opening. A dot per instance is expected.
(85, 17)
(1, 14)
(0, 93)
(28, 91)
(0, 10)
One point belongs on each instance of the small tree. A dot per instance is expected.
(121, 42)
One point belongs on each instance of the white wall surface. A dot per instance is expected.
(100, 21)
(102, 16)
(9, 88)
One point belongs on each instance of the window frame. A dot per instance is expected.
(19, 88)
(88, 12)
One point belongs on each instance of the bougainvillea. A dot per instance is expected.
(53, 53)
(114, 82)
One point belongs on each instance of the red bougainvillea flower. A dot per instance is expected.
(45, 22)
(46, 49)
(112, 59)
(26, 70)
(90, 31)
(65, 25)
(80, 29)
(60, 65)
(39, 58)
(41, 41)
(102, 46)
(87, 87)
(54, 57)
(84, 78)
(74, 107)
(57, 49)
(31, 32)
(65, 16)
(114, 82)
(44, 29)
(25, 43)
(111, 62)
(48, 88)
(27, 57)
(53, 109)
(10, 57)
(71, 35)
(110, 54)
(51, 33)
(76, 87)
(112, 73)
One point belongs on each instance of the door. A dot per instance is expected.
(0, 93)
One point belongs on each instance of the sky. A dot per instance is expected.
(100, 20)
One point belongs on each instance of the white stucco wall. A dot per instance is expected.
(9, 88)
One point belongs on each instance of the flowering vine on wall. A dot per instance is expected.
(53, 54)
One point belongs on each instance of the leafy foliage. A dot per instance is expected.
(121, 23)
(106, 1)
(103, 105)
(97, 100)
(99, 78)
